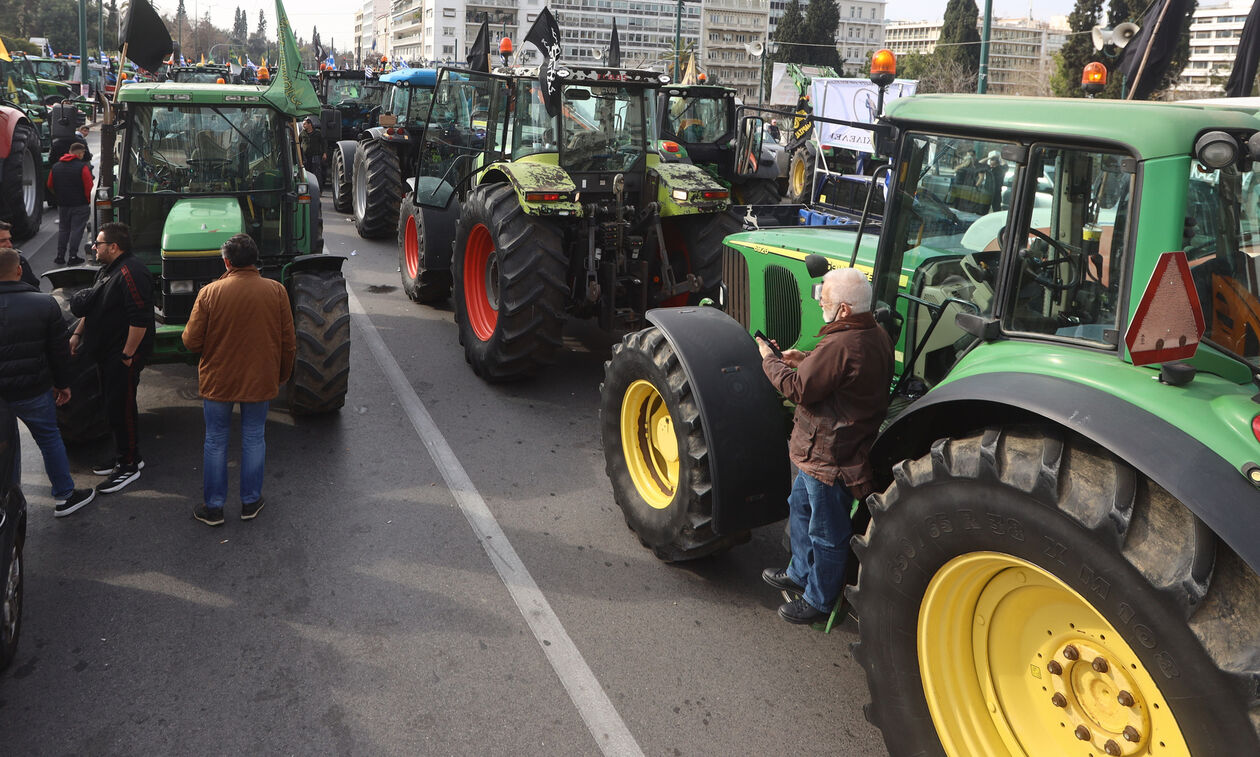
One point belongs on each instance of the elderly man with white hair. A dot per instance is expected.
(840, 389)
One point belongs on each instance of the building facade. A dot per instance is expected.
(1214, 35)
(727, 28)
(1021, 50)
(645, 30)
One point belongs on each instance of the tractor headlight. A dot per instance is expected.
(184, 286)
(679, 195)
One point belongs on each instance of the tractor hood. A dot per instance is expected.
(200, 225)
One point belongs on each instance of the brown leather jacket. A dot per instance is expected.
(841, 393)
(243, 328)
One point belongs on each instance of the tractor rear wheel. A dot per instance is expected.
(21, 194)
(378, 188)
(509, 270)
(424, 286)
(321, 320)
(655, 450)
(341, 172)
(758, 192)
(701, 254)
(1021, 594)
(801, 174)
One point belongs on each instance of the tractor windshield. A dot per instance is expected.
(604, 128)
(202, 150)
(697, 120)
(58, 70)
(1224, 250)
(347, 91)
(410, 104)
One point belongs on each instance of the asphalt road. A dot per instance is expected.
(383, 603)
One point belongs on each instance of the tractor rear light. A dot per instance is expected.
(679, 195)
(546, 196)
(668, 146)
(716, 194)
(303, 194)
(1168, 323)
(1255, 427)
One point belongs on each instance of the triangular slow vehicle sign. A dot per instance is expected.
(1168, 323)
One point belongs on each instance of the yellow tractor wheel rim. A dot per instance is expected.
(798, 177)
(650, 444)
(1014, 661)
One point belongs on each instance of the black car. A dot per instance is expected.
(12, 537)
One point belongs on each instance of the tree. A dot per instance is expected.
(936, 73)
(959, 42)
(240, 28)
(1077, 51)
(790, 32)
(821, 20)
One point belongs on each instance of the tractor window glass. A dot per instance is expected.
(455, 134)
(343, 91)
(1223, 247)
(697, 120)
(202, 149)
(950, 207)
(533, 131)
(603, 128)
(1070, 250)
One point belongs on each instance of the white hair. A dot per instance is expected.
(847, 285)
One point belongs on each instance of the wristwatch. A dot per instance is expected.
(127, 357)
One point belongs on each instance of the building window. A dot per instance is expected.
(448, 12)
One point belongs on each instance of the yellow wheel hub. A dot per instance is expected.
(797, 177)
(650, 444)
(1014, 661)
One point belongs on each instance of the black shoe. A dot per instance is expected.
(77, 499)
(119, 479)
(250, 509)
(59, 260)
(211, 516)
(778, 578)
(76, 260)
(106, 468)
(801, 612)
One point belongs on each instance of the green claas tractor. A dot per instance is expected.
(1062, 557)
(697, 124)
(534, 216)
(186, 166)
(368, 173)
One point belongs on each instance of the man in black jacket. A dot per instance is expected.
(70, 180)
(6, 243)
(35, 375)
(116, 332)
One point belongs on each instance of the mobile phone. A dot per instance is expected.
(777, 352)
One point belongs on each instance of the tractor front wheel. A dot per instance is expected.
(1022, 594)
(509, 270)
(341, 172)
(21, 193)
(378, 188)
(425, 286)
(321, 320)
(801, 174)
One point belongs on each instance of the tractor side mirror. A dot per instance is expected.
(748, 145)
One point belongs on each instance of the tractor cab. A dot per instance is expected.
(701, 119)
(352, 102)
(407, 96)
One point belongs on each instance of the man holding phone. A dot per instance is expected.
(840, 389)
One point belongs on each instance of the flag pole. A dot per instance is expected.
(1147, 52)
(122, 60)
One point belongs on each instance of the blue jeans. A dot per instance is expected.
(819, 528)
(39, 413)
(253, 450)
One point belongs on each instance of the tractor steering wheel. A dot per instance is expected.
(1065, 253)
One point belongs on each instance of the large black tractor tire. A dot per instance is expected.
(340, 175)
(701, 253)
(655, 450)
(12, 583)
(321, 320)
(758, 192)
(378, 189)
(21, 193)
(425, 286)
(1058, 597)
(509, 271)
(801, 174)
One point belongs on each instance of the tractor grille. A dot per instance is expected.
(735, 280)
(783, 306)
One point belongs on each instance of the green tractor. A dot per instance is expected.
(1063, 555)
(699, 121)
(532, 216)
(187, 166)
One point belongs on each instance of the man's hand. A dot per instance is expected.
(764, 348)
(74, 344)
(61, 396)
(793, 358)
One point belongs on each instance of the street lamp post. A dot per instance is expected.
(982, 76)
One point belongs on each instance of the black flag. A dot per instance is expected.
(145, 36)
(1244, 73)
(545, 35)
(614, 48)
(1161, 30)
(479, 53)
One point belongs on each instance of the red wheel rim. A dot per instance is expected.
(411, 249)
(481, 282)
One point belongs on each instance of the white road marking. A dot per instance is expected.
(597, 711)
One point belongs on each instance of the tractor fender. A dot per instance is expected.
(745, 423)
(1218, 495)
(313, 262)
(347, 148)
(528, 176)
(694, 181)
(378, 133)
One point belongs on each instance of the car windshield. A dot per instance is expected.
(697, 120)
(202, 150)
(604, 128)
(1224, 254)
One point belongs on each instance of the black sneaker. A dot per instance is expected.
(76, 260)
(107, 468)
(211, 516)
(250, 509)
(59, 260)
(778, 578)
(119, 479)
(77, 499)
(801, 612)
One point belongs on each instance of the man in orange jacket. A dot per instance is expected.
(243, 327)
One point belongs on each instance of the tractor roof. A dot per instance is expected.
(569, 74)
(416, 77)
(189, 93)
(699, 90)
(1151, 129)
(342, 73)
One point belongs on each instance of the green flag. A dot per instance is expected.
(290, 90)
